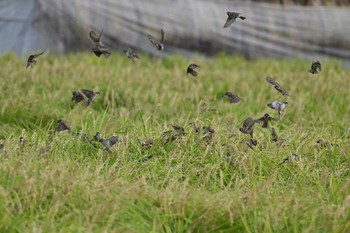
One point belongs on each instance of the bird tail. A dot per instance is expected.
(242, 17)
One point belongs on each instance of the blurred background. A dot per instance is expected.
(308, 29)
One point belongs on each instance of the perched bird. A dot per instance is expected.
(131, 54)
(208, 129)
(147, 143)
(99, 48)
(279, 106)
(277, 86)
(77, 97)
(290, 159)
(208, 133)
(274, 135)
(265, 120)
(231, 17)
(232, 97)
(62, 126)
(190, 69)
(314, 66)
(179, 129)
(91, 95)
(247, 127)
(159, 45)
(31, 59)
(108, 143)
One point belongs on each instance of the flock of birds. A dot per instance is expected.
(88, 97)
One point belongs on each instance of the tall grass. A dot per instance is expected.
(60, 183)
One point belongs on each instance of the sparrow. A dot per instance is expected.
(314, 66)
(159, 45)
(31, 59)
(290, 158)
(247, 127)
(91, 95)
(277, 86)
(62, 126)
(190, 69)
(147, 143)
(265, 120)
(279, 106)
(77, 97)
(233, 97)
(179, 129)
(131, 54)
(99, 48)
(108, 143)
(274, 135)
(231, 17)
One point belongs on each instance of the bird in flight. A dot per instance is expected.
(91, 95)
(77, 97)
(277, 86)
(131, 54)
(99, 48)
(159, 45)
(190, 69)
(314, 66)
(265, 120)
(247, 127)
(279, 106)
(231, 17)
(232, 97)
(31, 59)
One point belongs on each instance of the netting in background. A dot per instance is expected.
(270, 30)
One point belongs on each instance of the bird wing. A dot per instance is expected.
(248, 123)
(94, 36)
(151, 39)
(191, 71)
(111, 141)
(229, 21)
(38, 54)
(88, 93)
(272, 81)
(162, 36)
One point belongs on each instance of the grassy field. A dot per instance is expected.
(59, 183)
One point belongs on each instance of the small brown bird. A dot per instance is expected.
(77, 97)
(247, 127)
(131, 54)
(31, 59)
(91, 95)
(274, 135)
(265, 120)
(21, 141)
(99, 48)
(159, 45)
(190, 69)
(277, 86)
(179, 129)
(233, 97)
(251, 143)
(108, 143)
(147, 143)
(62, 126)
(231, 17)
(314, 66)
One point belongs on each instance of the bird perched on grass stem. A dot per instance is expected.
(158, 45)
(31, 59)
(231, 17)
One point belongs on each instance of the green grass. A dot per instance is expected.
(61, 184)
